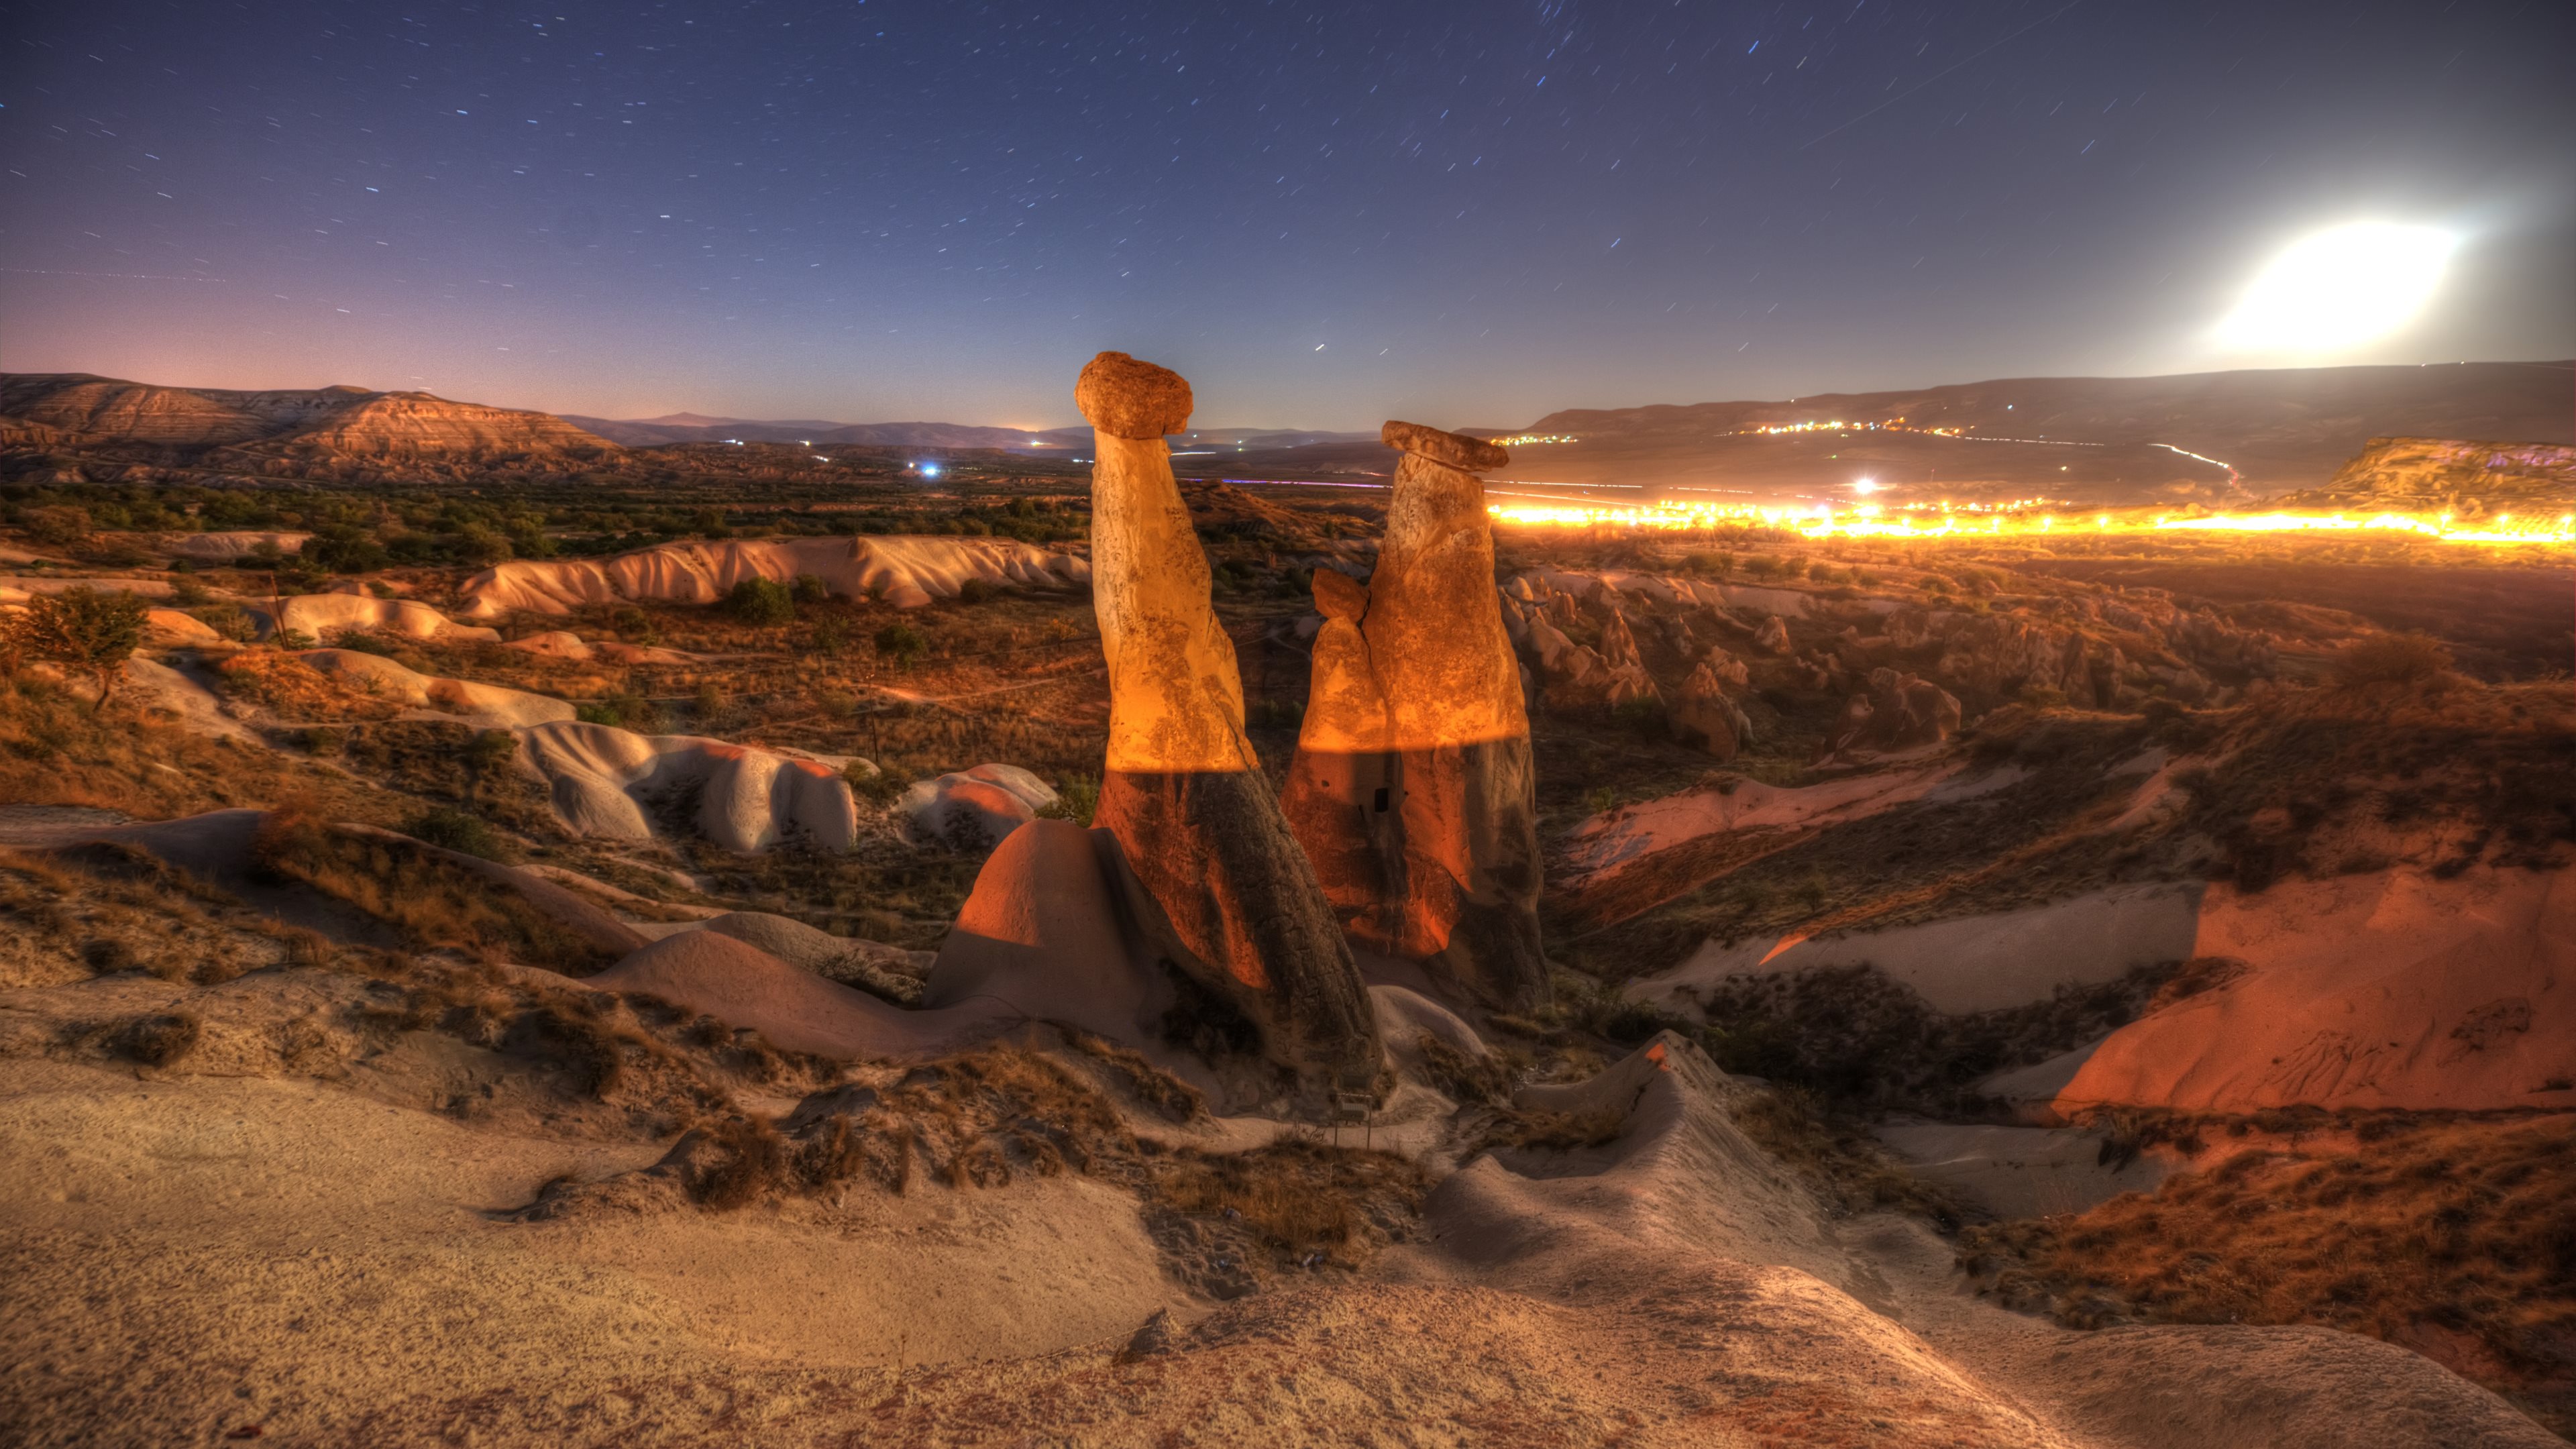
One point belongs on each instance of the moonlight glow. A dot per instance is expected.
(2339, 288)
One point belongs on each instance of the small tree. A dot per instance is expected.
(77, 629)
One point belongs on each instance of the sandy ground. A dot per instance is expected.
(1977, 963)
(188, 1257)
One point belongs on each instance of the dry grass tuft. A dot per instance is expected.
(1839, 1160)
(158, 1040)
(1305, 1202)
(1487, 1078)
(1552, 1131)
(2456, 1237)
(432, 901)
(1175, 1099)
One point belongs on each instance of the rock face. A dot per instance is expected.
(905, 572)
(603, 780)
(1212, 874)
(1413, 790)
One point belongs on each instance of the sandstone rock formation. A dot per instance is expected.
(2472, 478)
(485, 704)
(604, 781)
(1702, 716)
(227, 545)
(320, 616)
(1041, 934)
(1413, 790)
(1899, 711)
(973, 809)
(1216, 877)
(905, 572)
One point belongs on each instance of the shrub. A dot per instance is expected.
(879, 785)
(709, 523)
(761, 603)
(158, 1041)
(2390, 659)
(56, 527)
(491, 750)
(1076, 798)
(975, 591)
(455, 830)
(829, 636)
(808, 589)
(78, 629)
(902, 644)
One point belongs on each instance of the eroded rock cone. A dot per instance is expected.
(1899, 711)
(1413, 790)
(1703, 717)
(1216, 877)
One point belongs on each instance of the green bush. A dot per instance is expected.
(901, 643)
(808, 589)
(455, 830)
(761, 603)
(1076, 798)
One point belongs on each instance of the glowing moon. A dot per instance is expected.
(2340, 287)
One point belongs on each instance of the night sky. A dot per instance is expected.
(1324, 215)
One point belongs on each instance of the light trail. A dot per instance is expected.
(2022, 518)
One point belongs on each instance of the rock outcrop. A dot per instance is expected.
(321, 616)
(1899, 711)
(905, 572)
(1413, 790)
(489, 705)
(607, 782)
(1211, 871)
(2453, 474)
(973, 809)
(1041, 934)
(1704, 717)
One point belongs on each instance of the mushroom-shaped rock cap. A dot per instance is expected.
(1129, 399)
(1474, 455)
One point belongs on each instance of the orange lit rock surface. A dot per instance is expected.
(1413, 790)
(1214, 876)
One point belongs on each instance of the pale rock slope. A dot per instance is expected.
(2387, 989)
(973, 808)
(603, 780)
(489, 705)
(226, 545)
(794, 1008)
(320, 616)
(906, 572)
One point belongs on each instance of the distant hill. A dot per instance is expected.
(79, 410)
(2095, 438)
